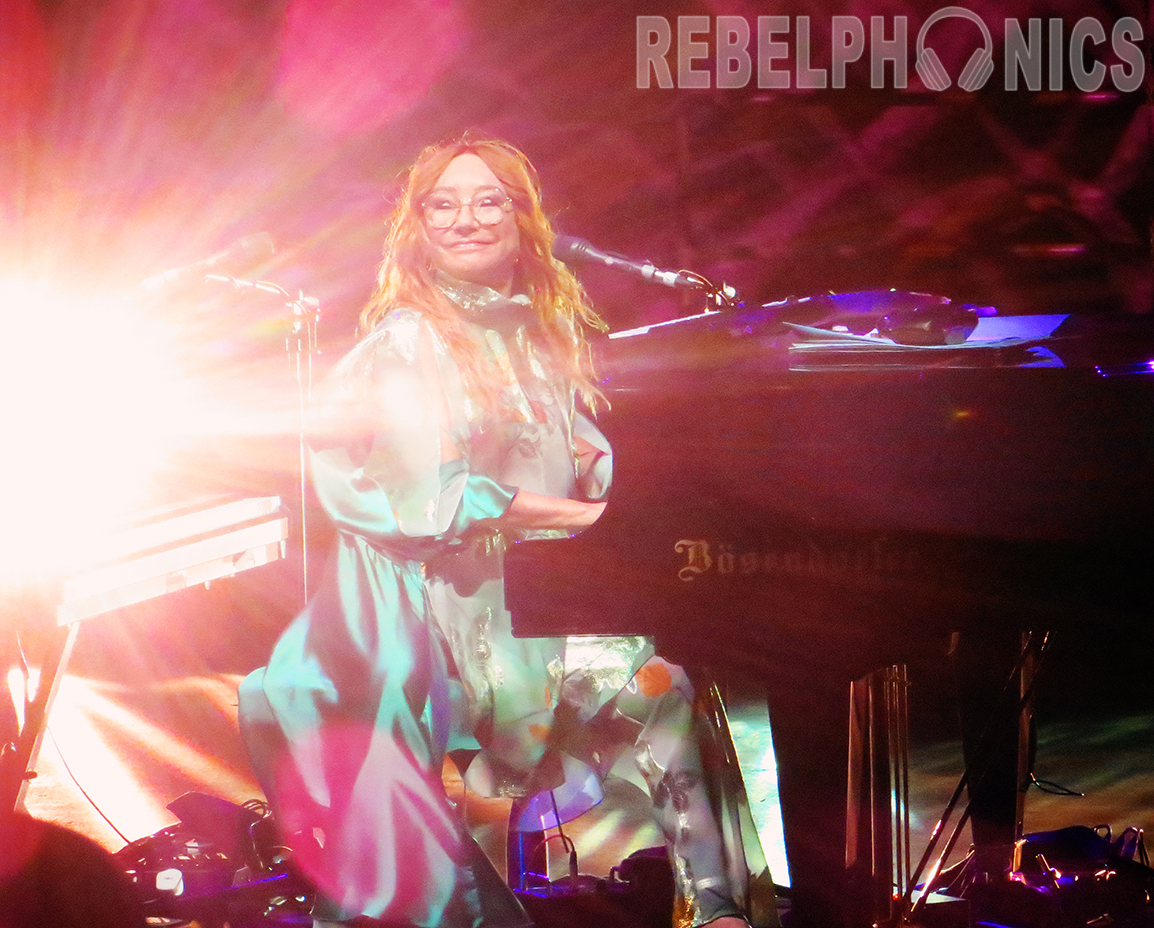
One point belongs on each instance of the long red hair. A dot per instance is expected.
(405, 277)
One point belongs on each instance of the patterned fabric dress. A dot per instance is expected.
(406, 651)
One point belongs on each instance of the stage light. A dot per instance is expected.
(91, 390)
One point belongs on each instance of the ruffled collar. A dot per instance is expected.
(484, 306)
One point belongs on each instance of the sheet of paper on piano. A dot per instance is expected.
(996, 340)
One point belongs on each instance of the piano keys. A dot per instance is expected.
(175, 548)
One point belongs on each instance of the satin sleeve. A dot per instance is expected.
(378, 438)
(593, 483)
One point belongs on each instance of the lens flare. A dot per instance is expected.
(91, 390)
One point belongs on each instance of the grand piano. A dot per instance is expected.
(801, 513)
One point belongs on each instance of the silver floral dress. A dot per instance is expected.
(406, 651)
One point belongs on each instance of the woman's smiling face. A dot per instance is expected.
(467, 250)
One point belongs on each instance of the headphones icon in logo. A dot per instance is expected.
(977, 70)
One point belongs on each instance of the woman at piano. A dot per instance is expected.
(452, 428)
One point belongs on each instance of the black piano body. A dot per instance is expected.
(806, 526)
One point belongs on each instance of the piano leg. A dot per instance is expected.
(993, 671)
(18, 761)
(810, 735)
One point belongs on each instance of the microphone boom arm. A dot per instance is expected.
(573, 250)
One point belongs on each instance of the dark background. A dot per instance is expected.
(144, 134)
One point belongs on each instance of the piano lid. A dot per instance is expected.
(878, 329)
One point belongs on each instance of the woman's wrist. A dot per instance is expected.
(535, 511)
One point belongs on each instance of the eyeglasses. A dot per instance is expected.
(487, 206)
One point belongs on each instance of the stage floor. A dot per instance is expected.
(115, 755)
(148, 713)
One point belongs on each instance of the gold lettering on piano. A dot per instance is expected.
(697, 551)
(875, 558)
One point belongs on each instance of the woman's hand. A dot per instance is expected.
(586, 455)
(534, 511)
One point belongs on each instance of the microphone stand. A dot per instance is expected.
(572, 250)
(718, 299)
(301, 346)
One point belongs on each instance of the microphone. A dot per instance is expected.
(573, 250)
(240, 255)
